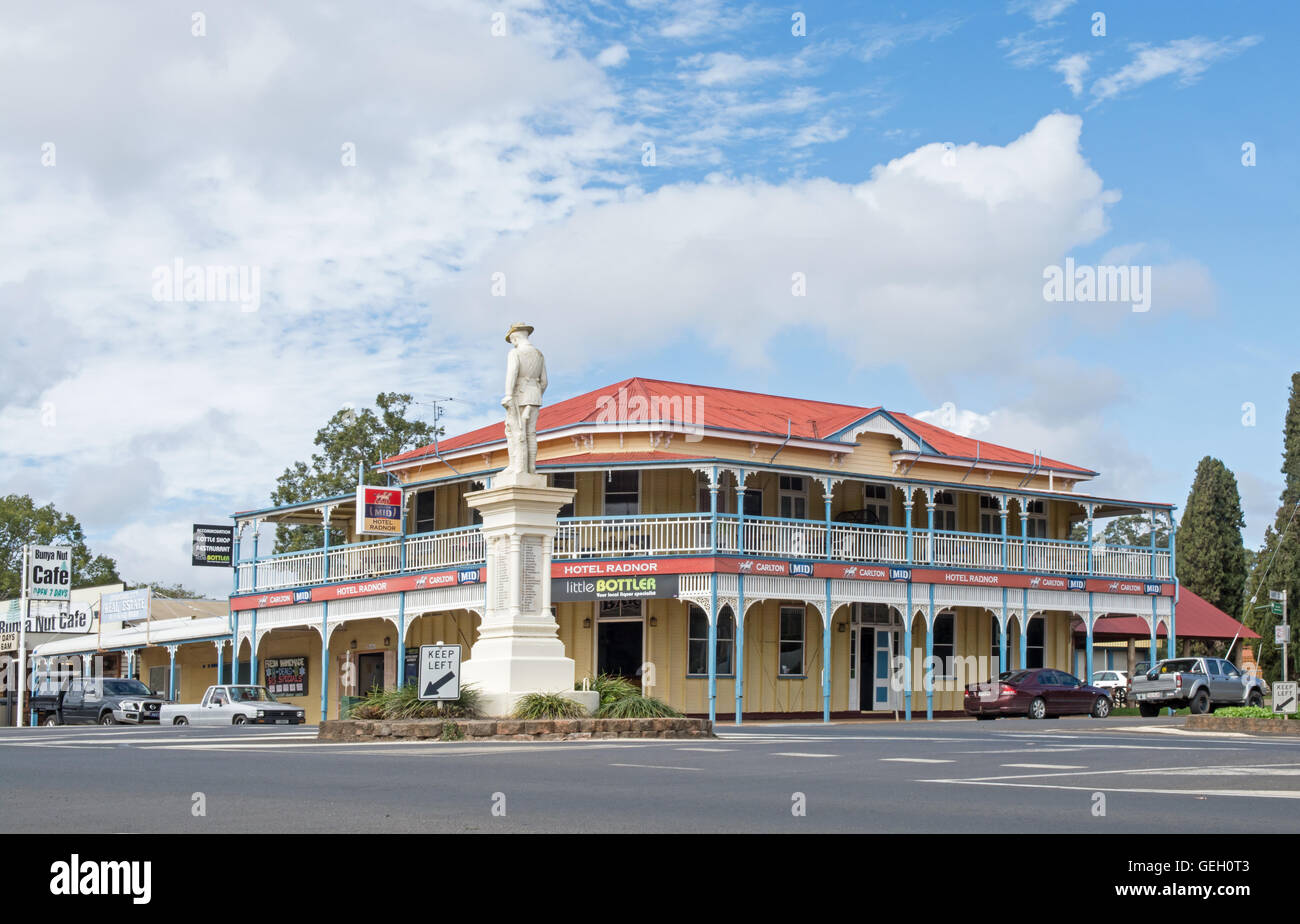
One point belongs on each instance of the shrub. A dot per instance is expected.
(548, 706)
(404, 703)
(1244, 712)
(637, 707)
(611, 687)
(451, 732)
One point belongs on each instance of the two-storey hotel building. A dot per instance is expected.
(737, 553)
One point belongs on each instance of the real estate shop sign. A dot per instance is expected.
(213, 546)
(379, 511)
(639, 587)
(286, 676)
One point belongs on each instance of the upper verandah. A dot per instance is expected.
(695, 421)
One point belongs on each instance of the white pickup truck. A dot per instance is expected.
(232, 704)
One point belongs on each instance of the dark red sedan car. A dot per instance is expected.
(1037, 693)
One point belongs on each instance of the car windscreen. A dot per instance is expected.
(251, 695)
(1018, 677)
(1177, 667)
(125, 688)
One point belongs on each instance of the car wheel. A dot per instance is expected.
(1256, 699)
(180, 720)
(1101, 708)
(1148, 711)
(239, 720)
(51, 721)
(108, 719)
(1038, 708)
(1200, 703)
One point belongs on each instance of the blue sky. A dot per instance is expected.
(522, 154)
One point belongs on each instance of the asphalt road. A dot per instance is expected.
(943, 776)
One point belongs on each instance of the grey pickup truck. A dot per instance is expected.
(1200, 684)
(97, 700)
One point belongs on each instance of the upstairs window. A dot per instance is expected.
(425, 507)
(1036, 519)
(622, 493)
(565, 480)
(875, 498)
(793, 497)
(945, 511)
(990, 515)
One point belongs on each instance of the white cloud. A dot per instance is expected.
(1187, 59)
(1040, 11)
(880, 39)
(1030, 49)
(614, 56)
(724, 67)
(1072, 68)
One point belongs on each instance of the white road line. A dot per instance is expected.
(801, 754)
(916, 760)
(659, 767)
(708, 750)
(1236, 793)
(1048, 766)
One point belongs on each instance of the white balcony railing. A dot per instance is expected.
(702, 534)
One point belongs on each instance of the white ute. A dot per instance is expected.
(232, 704)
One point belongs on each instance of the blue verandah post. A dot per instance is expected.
(1088, 658)
(1024, 631)
(740, 645)
(826, 656)
(713, 647)
(907, 655)
(929, 665)
(1002, 632)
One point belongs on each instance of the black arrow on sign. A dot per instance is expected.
(435, 685)
(1284, 704)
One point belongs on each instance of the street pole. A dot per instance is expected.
(1287, 634)
(22, 644)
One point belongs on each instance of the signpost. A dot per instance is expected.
(439, 672)
(212, 546)
(1284, 697)
(1280, 609)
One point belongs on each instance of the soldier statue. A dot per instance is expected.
(525, 384)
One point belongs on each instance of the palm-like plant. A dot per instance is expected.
(548, 706)
(637, 707)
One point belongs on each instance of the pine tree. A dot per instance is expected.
(1211, 557)
(1277, 566)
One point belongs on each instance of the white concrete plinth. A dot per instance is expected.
(518, 649)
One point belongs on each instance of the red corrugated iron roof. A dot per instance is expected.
(658, 401)
(1195, 617)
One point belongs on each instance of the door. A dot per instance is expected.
(1236, 685)
(619, 648)
(74, 703)
(883, 694)
(215, 709)
(370, 672)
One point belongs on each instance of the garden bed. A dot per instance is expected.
(1247, 724)
(512, 729)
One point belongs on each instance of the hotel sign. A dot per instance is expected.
(212, 546)
(387, 585)
(379, 511)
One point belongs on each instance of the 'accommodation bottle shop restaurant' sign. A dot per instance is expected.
(379, 511)
(213, 546)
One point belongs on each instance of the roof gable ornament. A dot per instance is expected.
(881, 422)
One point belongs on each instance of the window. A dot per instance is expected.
(1036, 520)
(945, 511)
(620, 609)
(943, 643)
(565, 480)
(794, 498)
(424, 512)
(622, 493)
(697, 653)
(995, 638)
(1230, 669)
(1034, 643)
(753, 502)
(875, 498)
(791, 645)
(990, 515)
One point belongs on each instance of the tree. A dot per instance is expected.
(169, 591)
(1277, 566)
(1134, 529)
(1211, 558)
(23, 523)
(350, 439)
